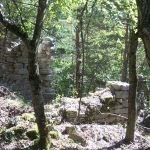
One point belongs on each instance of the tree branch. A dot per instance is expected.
(19, 14)
(43, 4)
(13, 27)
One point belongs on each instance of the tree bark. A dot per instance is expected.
(34, 79)
(144, 25)
(132, 89)
(125, 53)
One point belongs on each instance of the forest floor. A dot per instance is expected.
(18, 131)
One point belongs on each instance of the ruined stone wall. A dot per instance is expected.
(120, 92)
(13, 70)
(105, 105)
(13, 67)
(45, 50)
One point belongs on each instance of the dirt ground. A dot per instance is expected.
(65, 135)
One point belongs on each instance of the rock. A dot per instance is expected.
(54, 134)
(77, 139)
(45, 71)
(117, 85)
(23, 60)
(122, 94)
(71, 113)
(49, 95)
(125, 103)
(19, 129)
(28, 117)
(22, 71)
(32, 134)
(74, 135)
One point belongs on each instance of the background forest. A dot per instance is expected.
(95, 42)
(92, 40)
(97, 33)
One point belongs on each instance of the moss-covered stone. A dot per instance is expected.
(28, 117)
(32, 134)
(53, 144)
(106, 138)
(54, 134)
(19, 129)
(71, 113)
(77, 139)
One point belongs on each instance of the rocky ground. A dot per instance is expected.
(18, 131)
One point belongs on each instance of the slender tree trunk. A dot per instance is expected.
(78, 54)
(125, 53)
(38, 103)
(34, 79)
(132, 89)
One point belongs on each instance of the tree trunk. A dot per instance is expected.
(38, 103)
(34, 79)
(144, 25)
(78, 55)
(125, 53)
(132, 89)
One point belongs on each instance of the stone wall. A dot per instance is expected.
(13, 70)
(45, 50)
(14, 62)
(120, 92)
(105, 105)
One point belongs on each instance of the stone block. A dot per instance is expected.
(121, 111)
(119, 101)
(44, 65)
(45, 71)
(27, 86)
(22, 71)
(18, 65)
(125, 103)
(47, 90)
(10, 59)
(23, 60)
(118, 106)
(28, 96)
(25, 76)
(22, 81)
(15, 77)
(100, 116)
(121, 94)
(117, 85)
(71, 113)
(125, 115)
(17, 87)
(4, 66)
(49, 95)
(46, 84)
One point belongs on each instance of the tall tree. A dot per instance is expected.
(125, 53)
(144, 25)
(18, 28)
(132, 88)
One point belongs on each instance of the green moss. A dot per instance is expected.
(32, 134)
(106, 138)
(28, 117)
(2, 129)
(25, 137)
(54, 134)
(70, 140)
(54, 144)
(71, 113)
(19, 130)
(8, 135)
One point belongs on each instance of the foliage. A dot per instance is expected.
(104, 35)
(104, 39)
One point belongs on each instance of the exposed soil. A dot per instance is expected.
(65, 135)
